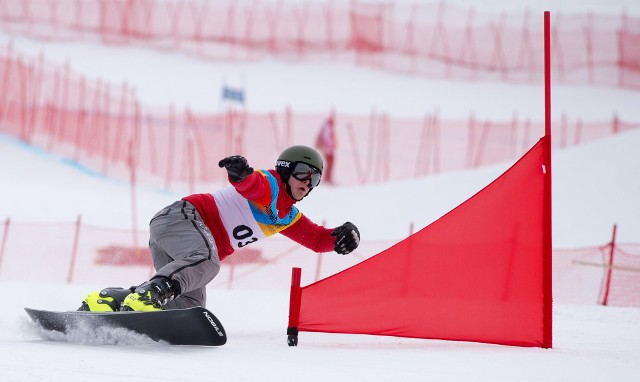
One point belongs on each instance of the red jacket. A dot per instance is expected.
(261, 203)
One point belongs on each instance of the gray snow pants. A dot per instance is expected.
(183, 250)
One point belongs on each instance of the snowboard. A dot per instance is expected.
(192, 326)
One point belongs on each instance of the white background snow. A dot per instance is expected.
(596, 185)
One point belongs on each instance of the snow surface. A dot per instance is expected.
(591, 344)
(595, 186)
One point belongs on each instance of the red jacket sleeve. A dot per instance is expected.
(251, 187)
(311, 235)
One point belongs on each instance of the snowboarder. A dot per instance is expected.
(190, 237)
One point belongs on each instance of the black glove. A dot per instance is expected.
(347, 238)
(237, 167)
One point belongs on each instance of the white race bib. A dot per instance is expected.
(237, 217)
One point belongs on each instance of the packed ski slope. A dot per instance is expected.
(595, 186)
(591, 344)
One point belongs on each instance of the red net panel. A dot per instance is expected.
(621, 281)
(629, 57)
(476, 274)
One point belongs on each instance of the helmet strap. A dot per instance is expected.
(289, 190)
(288, 187)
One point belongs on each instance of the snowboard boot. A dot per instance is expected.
(152, 295)
(107, 300)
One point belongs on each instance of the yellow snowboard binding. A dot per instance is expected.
(107, 300)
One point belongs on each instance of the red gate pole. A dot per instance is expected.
(4, 240)
(547, 266)
(318, 265)
(74, 252)
(319, 259)
(133, 196)
(232, 267)
(134, 162)
(356, 155)
(612, 249)
(294, 307)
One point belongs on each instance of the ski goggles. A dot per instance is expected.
(302, 172)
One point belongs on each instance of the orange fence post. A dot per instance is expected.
(74, 252)
(4, 240)
(612, 248)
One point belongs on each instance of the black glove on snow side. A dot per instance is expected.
(237, 167)
(347, 238)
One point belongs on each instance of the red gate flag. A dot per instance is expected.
(476, 274)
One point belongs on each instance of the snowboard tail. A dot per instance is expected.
(192, 326)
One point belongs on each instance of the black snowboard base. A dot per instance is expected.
(192, 326)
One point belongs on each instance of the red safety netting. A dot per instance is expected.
(104, 127)
(83, 253)
(476, 274)
(437, 40)
(621, 279)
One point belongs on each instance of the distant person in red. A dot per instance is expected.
(326, 143)
(190, 237)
